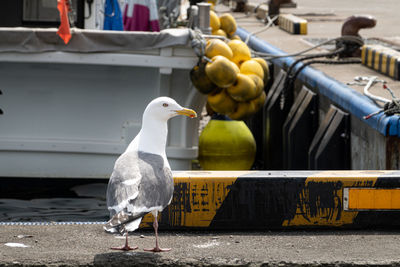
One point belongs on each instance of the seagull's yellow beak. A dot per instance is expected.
(187, 112)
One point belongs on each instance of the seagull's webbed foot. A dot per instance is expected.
(157, 249)
(125, 248)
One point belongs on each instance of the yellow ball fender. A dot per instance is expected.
(226, 144)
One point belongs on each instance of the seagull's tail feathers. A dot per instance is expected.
(133, 225)
(119, 220)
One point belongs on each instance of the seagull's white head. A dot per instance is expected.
(152, 137)
(164, 108)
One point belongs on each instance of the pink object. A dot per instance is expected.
(141, 15)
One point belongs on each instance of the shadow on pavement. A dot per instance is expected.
(131, 258)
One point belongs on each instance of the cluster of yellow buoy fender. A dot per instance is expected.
(231, 78)
(234, 84)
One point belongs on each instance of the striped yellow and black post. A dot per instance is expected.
(382, 59)
(283, 199)
(292, 24)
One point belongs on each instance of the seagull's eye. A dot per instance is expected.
(165, 105)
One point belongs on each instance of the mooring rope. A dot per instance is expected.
(390, 108)
(198, 42)
(290, 78)
(354, 39)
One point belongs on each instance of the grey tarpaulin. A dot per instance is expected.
(46, 40)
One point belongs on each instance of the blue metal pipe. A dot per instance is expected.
(345, 97)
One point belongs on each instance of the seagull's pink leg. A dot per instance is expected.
(157, 247)
(126, 247)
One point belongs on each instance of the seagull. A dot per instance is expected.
(141, 181)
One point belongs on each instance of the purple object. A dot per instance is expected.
(141, 15)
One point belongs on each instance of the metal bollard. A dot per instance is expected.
(204, 17)
(350, 27)
(274, 6)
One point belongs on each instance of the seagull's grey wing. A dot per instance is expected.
(135, 196)
(156, 186)
(124, 182)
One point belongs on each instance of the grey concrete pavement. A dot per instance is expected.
(88, 245)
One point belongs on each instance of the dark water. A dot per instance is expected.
(59, 200)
